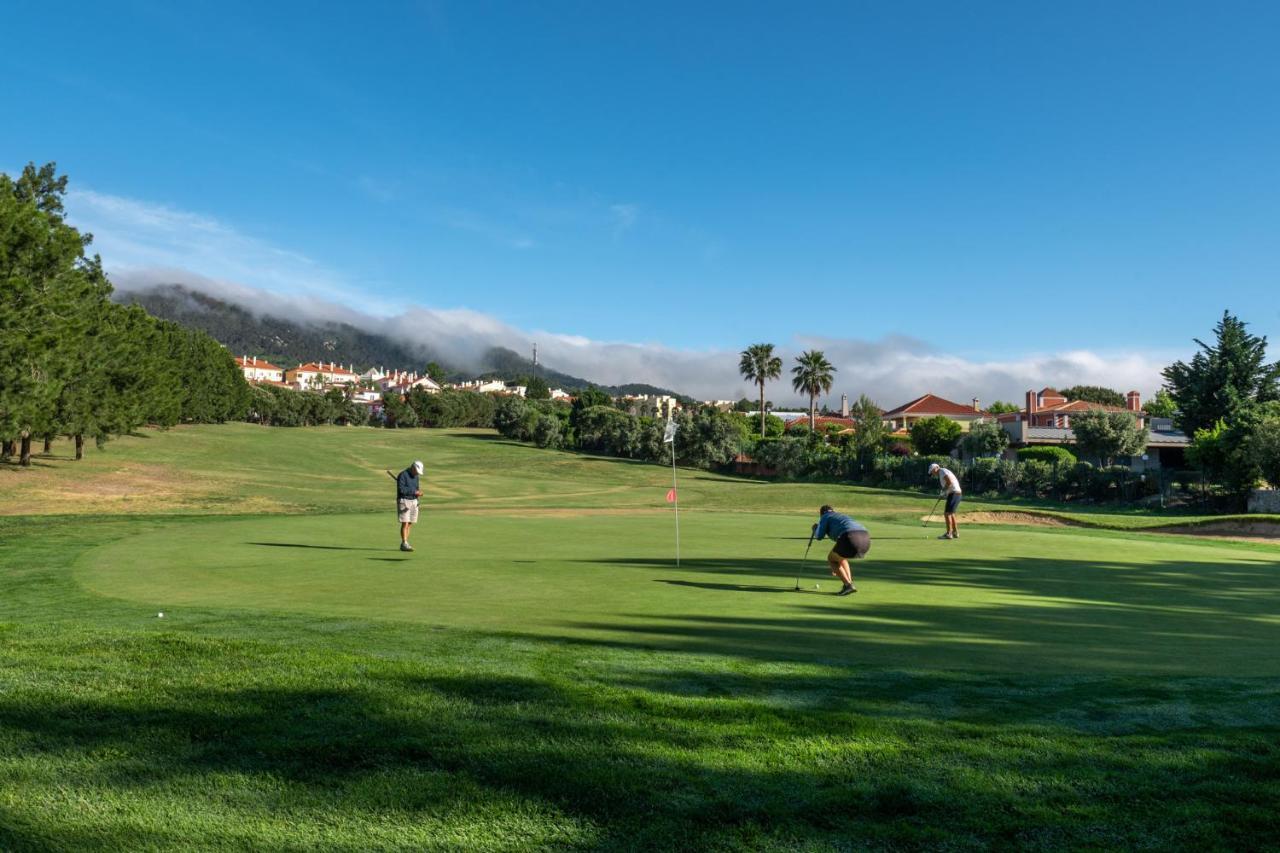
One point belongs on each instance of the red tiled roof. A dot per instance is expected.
(261, 364)
(312, 367)
(821, 422)
(932, 404)
(1082, 406)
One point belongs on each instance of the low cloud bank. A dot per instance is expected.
(892, 369)
(145, 244)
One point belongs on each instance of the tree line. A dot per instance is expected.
(74, 363)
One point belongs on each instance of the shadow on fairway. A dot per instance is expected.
(1039, 614)
(719, 761)
(725, 587)
(314, 547)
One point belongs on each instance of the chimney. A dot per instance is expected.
(1134, 401)
(1032, 407)
(844, 405)
(976, 407)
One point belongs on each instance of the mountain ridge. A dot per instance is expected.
(289, 343)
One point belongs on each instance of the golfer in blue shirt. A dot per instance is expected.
(852, 543)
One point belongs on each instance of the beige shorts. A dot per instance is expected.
(407, 510)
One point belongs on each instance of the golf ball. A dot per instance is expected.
(160, 615)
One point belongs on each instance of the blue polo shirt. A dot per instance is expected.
(835, 525)
(407, 484)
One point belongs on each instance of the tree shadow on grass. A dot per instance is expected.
(1037, 613)
(721, 587)
(642, 765)
(312, 547)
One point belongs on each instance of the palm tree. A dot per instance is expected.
(759, 365)
(812, 375)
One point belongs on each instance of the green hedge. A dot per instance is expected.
(1047, 454)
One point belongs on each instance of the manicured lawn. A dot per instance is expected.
(540, 674)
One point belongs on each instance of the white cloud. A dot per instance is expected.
(145, 244)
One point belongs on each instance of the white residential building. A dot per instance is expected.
(259, 369)
(661, 406)
(314, 376)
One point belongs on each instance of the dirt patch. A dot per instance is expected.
(1028, 518)
(1267, 532)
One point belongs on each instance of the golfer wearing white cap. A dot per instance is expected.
(407, 494)
(951, 490)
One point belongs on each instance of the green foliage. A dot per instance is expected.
(536, 388)
(758, 364)
(1094, 394)
(1162, 405)
(452, 408)
(73, 363)
(1107, 435)
(1048, 454)
(1222, 378)
(812, 375)
(1263, 447)
(869, 430)
(1209, 449)
(744, 405)
(984, 438)
(936, 435)
(1000, 407)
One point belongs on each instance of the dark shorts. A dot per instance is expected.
(953, 501)
(853, 545)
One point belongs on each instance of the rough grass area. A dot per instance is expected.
(540, 675)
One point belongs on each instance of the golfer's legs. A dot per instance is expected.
(404, 531)
(839, 567)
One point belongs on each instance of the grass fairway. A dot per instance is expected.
(540, 674)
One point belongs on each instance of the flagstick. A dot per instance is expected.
(675, 491)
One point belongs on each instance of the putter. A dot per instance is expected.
(392, 476)
(803, 562)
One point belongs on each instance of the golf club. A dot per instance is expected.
(925, 523)
(392, 476)
(802, 562)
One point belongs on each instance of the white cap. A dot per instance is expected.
(934, 467)
(417, 465)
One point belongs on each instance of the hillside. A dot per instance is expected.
(289, 343)
(285, 342)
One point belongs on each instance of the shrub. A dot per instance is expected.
(900, 449)
(936, 435)
(985, 438)
(1048, 454)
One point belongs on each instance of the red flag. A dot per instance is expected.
(671, 496)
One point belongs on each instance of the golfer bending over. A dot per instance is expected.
(407, 494)
(951, 491)
(852, 543)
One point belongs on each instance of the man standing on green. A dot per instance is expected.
(407, 494)
(951, 491)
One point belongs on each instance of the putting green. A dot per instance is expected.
(999, 599)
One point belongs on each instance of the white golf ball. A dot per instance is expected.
(160, 615)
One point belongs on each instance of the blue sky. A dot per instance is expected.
(997, 180)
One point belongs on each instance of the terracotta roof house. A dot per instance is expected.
(930, 406)
(313, 375)
(259, 369)
(820, 423)
(1046, 419)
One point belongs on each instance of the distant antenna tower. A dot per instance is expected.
(535, 355)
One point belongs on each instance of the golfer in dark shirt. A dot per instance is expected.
(852, 543)
(407, 493)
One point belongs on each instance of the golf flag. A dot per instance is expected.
(671, 496)
(669, 432)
